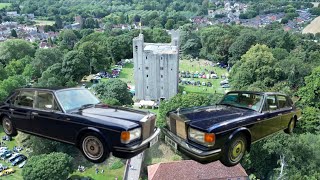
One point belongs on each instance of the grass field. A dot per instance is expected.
(313, 27)
(43, 22)
(186, 65)
(4, 5)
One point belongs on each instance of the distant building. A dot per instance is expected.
(12, 13)
(191, 170)
(156, 67)
(78, 19)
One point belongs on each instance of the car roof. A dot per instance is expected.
(258, 92)
(54, 89)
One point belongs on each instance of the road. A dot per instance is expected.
(133, 167)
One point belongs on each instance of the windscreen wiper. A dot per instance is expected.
(85, 106)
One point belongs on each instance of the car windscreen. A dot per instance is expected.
(76, 98)
(243, 100)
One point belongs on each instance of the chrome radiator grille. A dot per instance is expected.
(148, 127)
(178, 127)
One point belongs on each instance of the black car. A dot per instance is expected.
(19, 160)
(226, 131)
(76, 116)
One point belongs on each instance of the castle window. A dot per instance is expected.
(161, 76)
(161, 57)
(171, 69)
(147, 87)
(136, 48)
(139, 68)
(147, 68)
(147, 75)
(161, 68)
(146, 57)
(161, 87)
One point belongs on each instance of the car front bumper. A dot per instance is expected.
(191, 151)
(129, 152)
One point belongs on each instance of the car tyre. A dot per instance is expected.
(234, 150)
(291, 126)
(8, 126)
(94, 147)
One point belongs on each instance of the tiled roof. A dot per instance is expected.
(191, 170)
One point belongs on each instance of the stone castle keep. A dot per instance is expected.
(156, 68)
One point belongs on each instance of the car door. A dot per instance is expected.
(21, 108)
(48, 119)
(274, 115)
(285, 110)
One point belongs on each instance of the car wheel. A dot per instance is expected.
(234, 150)
(291, 126)
(8, 126)
(94, 148)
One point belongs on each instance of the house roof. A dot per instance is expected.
(189, 169)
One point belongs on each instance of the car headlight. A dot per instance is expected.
(128, 136)
(204, 138)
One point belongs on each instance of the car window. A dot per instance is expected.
(272, 103)
(25, 99)
(282, 101)
(46, 101)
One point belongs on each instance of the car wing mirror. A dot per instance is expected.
(49, 107)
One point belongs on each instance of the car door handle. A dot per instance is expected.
(11, 110)
(34, 113)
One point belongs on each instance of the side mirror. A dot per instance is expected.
(272, 107)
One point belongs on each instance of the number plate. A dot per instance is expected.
(171, 142)
(153, 141)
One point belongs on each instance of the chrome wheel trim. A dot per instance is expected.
(7, 125)
(236, 152)
(92, 147)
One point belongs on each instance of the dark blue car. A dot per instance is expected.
(225, 131)
(76, 116)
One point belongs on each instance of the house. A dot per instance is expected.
(192, 170)
(12, 13)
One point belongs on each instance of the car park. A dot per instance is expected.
(226, 131)
(77, 117)
(13, 157)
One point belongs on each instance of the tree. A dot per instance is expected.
(242, 45)
(10, 84)
(114, 89)
(53, 166)
(68, 38)
(75, 65)
(52, 77)
(15, 49)
(14, 33)
(44, 58)
(169, 24)
(257, 65)
(310, 121)
(16, 67)
(310, 93)
(58, 22)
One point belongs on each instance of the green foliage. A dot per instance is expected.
(53, 166)
(309, 121)
(114, 89)
(184, 101)
(242, 45)
(310, 93)
(15, 49)
(315, 11)
(68, 39)
(51, 77)
(111, 101)
(45, 58)
(75, 65)
(10, 84)
(257, 65)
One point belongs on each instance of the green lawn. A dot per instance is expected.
(186, 65)
(4, 5)
(126, 74)
(44, 22)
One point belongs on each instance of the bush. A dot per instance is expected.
(117, 164)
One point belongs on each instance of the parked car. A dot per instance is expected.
(226, 81)
(3, 149)
(7, 172)
(209, 84)
(22, 164)
(76, 116)
(226, 131)
(13, 157)
(3, 167)
(4, 153)
(18, 160)
(225, 86)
